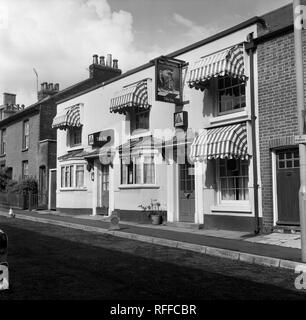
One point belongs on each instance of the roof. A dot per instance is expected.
(193, 46)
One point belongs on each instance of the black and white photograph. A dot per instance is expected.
(152, 154)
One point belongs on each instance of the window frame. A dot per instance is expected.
(25, 136)
(3, 142)
(218, 90)
(25, 176)
(68, 176)
(134, 122)
(71, 135)
(131, 172)
(219, 191)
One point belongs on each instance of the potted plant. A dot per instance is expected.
(154, 211)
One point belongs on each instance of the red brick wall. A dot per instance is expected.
(276, 106)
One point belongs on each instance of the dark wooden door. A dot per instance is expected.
(186, 193)
(53, 190)
(105, 188)
(288, 184)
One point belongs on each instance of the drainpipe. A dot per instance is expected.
(250, 47)
(298, 49)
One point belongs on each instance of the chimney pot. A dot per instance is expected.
(115, 63)
(50, 86)
(95, 59)
(56, 87)
(109, 60)
(102, 60)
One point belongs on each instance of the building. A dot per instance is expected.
(191, 129)
(27, 139)
(28, 143)
(134, 116)
(278, 121)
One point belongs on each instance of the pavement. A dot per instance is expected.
(275, 250)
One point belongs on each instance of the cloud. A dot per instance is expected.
(58, 39)
(193, 32)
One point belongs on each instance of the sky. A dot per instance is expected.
(59, 37)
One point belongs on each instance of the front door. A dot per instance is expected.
(105, 188)
(52, 191)
(288, 184)
(186, 193)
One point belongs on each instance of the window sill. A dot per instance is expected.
(73, 189)
(138, 186)
(239, 207)
(2, 155)
(25, 149)
(80, 147)
(230, 117)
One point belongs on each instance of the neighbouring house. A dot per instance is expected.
(196, 129)
(278, 120)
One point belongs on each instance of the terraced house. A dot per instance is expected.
(193, 129)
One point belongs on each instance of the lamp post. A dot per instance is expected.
(298, 46)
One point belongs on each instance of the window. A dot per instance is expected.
(75, 136)
(288, 159)
(233, 179)
(142, 119)
(1, 114)
(25, 169)
(72, 176)
(138, 170)
(25, 139)
(231, 94)
(3, 141)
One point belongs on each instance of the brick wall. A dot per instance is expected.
(276, 106)
(14, 153)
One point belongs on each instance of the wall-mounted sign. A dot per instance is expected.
(168, 80)
(181, 119)
(99, 139)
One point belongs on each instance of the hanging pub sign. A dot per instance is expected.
(99, 139)
(168, 80)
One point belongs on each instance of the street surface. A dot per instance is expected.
(51, 262)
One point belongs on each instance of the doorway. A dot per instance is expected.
(104, 189)
(288, 184)
(186, 193)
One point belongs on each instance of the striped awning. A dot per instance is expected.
(135, 95)
(222, 142)
(68, 118)
(229, 62)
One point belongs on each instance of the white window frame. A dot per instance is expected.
(73, 185)
(133, 159)
(25, 136)
(229, 202)
(3, 142)
(70, 143)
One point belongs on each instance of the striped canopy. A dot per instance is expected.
(223, 142)
(135, 95)
(69, 118)
(229, 62)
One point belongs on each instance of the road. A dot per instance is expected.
(52, 262)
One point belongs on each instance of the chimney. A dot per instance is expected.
(115, 63)
(102, 60)
(47, 89)
(9, 98)
(105, 70)
(109, 60)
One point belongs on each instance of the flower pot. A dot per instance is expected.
(156, 219)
